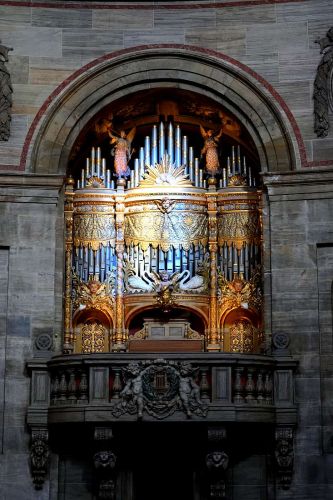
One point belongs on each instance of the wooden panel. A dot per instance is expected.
(40, 385)
(99, 385)
(166, 345)
(221, 384)
(283, 387)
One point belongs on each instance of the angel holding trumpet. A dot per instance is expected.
(210, 149)
(121, 143)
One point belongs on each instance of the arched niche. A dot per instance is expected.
(150, 328)
(92, 331)
(241, 331)
(115, 76)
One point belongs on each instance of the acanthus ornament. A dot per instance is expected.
(241, 293)
(160, 387)
(94, 294)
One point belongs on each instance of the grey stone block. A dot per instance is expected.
(62, 18)
(19, 326)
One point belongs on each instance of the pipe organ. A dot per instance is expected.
(168, 238)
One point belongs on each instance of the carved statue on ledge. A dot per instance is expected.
(6, 91)
(323, 85)
(122, 151)
(210, 150)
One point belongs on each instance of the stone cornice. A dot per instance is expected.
(30, 188)
(310, 183)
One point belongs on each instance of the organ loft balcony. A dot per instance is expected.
(163, 296)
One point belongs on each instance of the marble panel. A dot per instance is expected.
(246, 15)
(13, 16)
(282, 38)
(266, 65)
(297, 95)
(144, 37)
(29, 98)
(18, 66)
(301, 66)
(90, 42)
(310, 10)
(62, 18)
(33, 41)
(47, 76)
(191, 19)
(122, 19)
(323, 149)
(229, 40)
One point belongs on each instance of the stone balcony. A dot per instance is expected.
(211, 387)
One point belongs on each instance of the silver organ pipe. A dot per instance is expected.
(170, 143)
(147, 150)
(154, 153)
(185, 153)
(178, 160)
(162, 142)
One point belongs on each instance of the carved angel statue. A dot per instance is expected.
(241, 293)
(133, 389)
(122, 150)
(6, 91)
(210, 150)
(189, 391)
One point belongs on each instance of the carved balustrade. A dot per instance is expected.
(209, 387)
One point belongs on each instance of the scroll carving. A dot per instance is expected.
(6, 91)
(284, 455)
(323, 86)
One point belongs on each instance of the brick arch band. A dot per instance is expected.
(230, 83)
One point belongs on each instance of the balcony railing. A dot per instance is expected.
(113, 387)
(231, 387)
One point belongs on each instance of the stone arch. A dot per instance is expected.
(116, 75)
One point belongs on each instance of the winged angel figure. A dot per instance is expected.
(121, 143)
(210, 149)
(122, 151)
